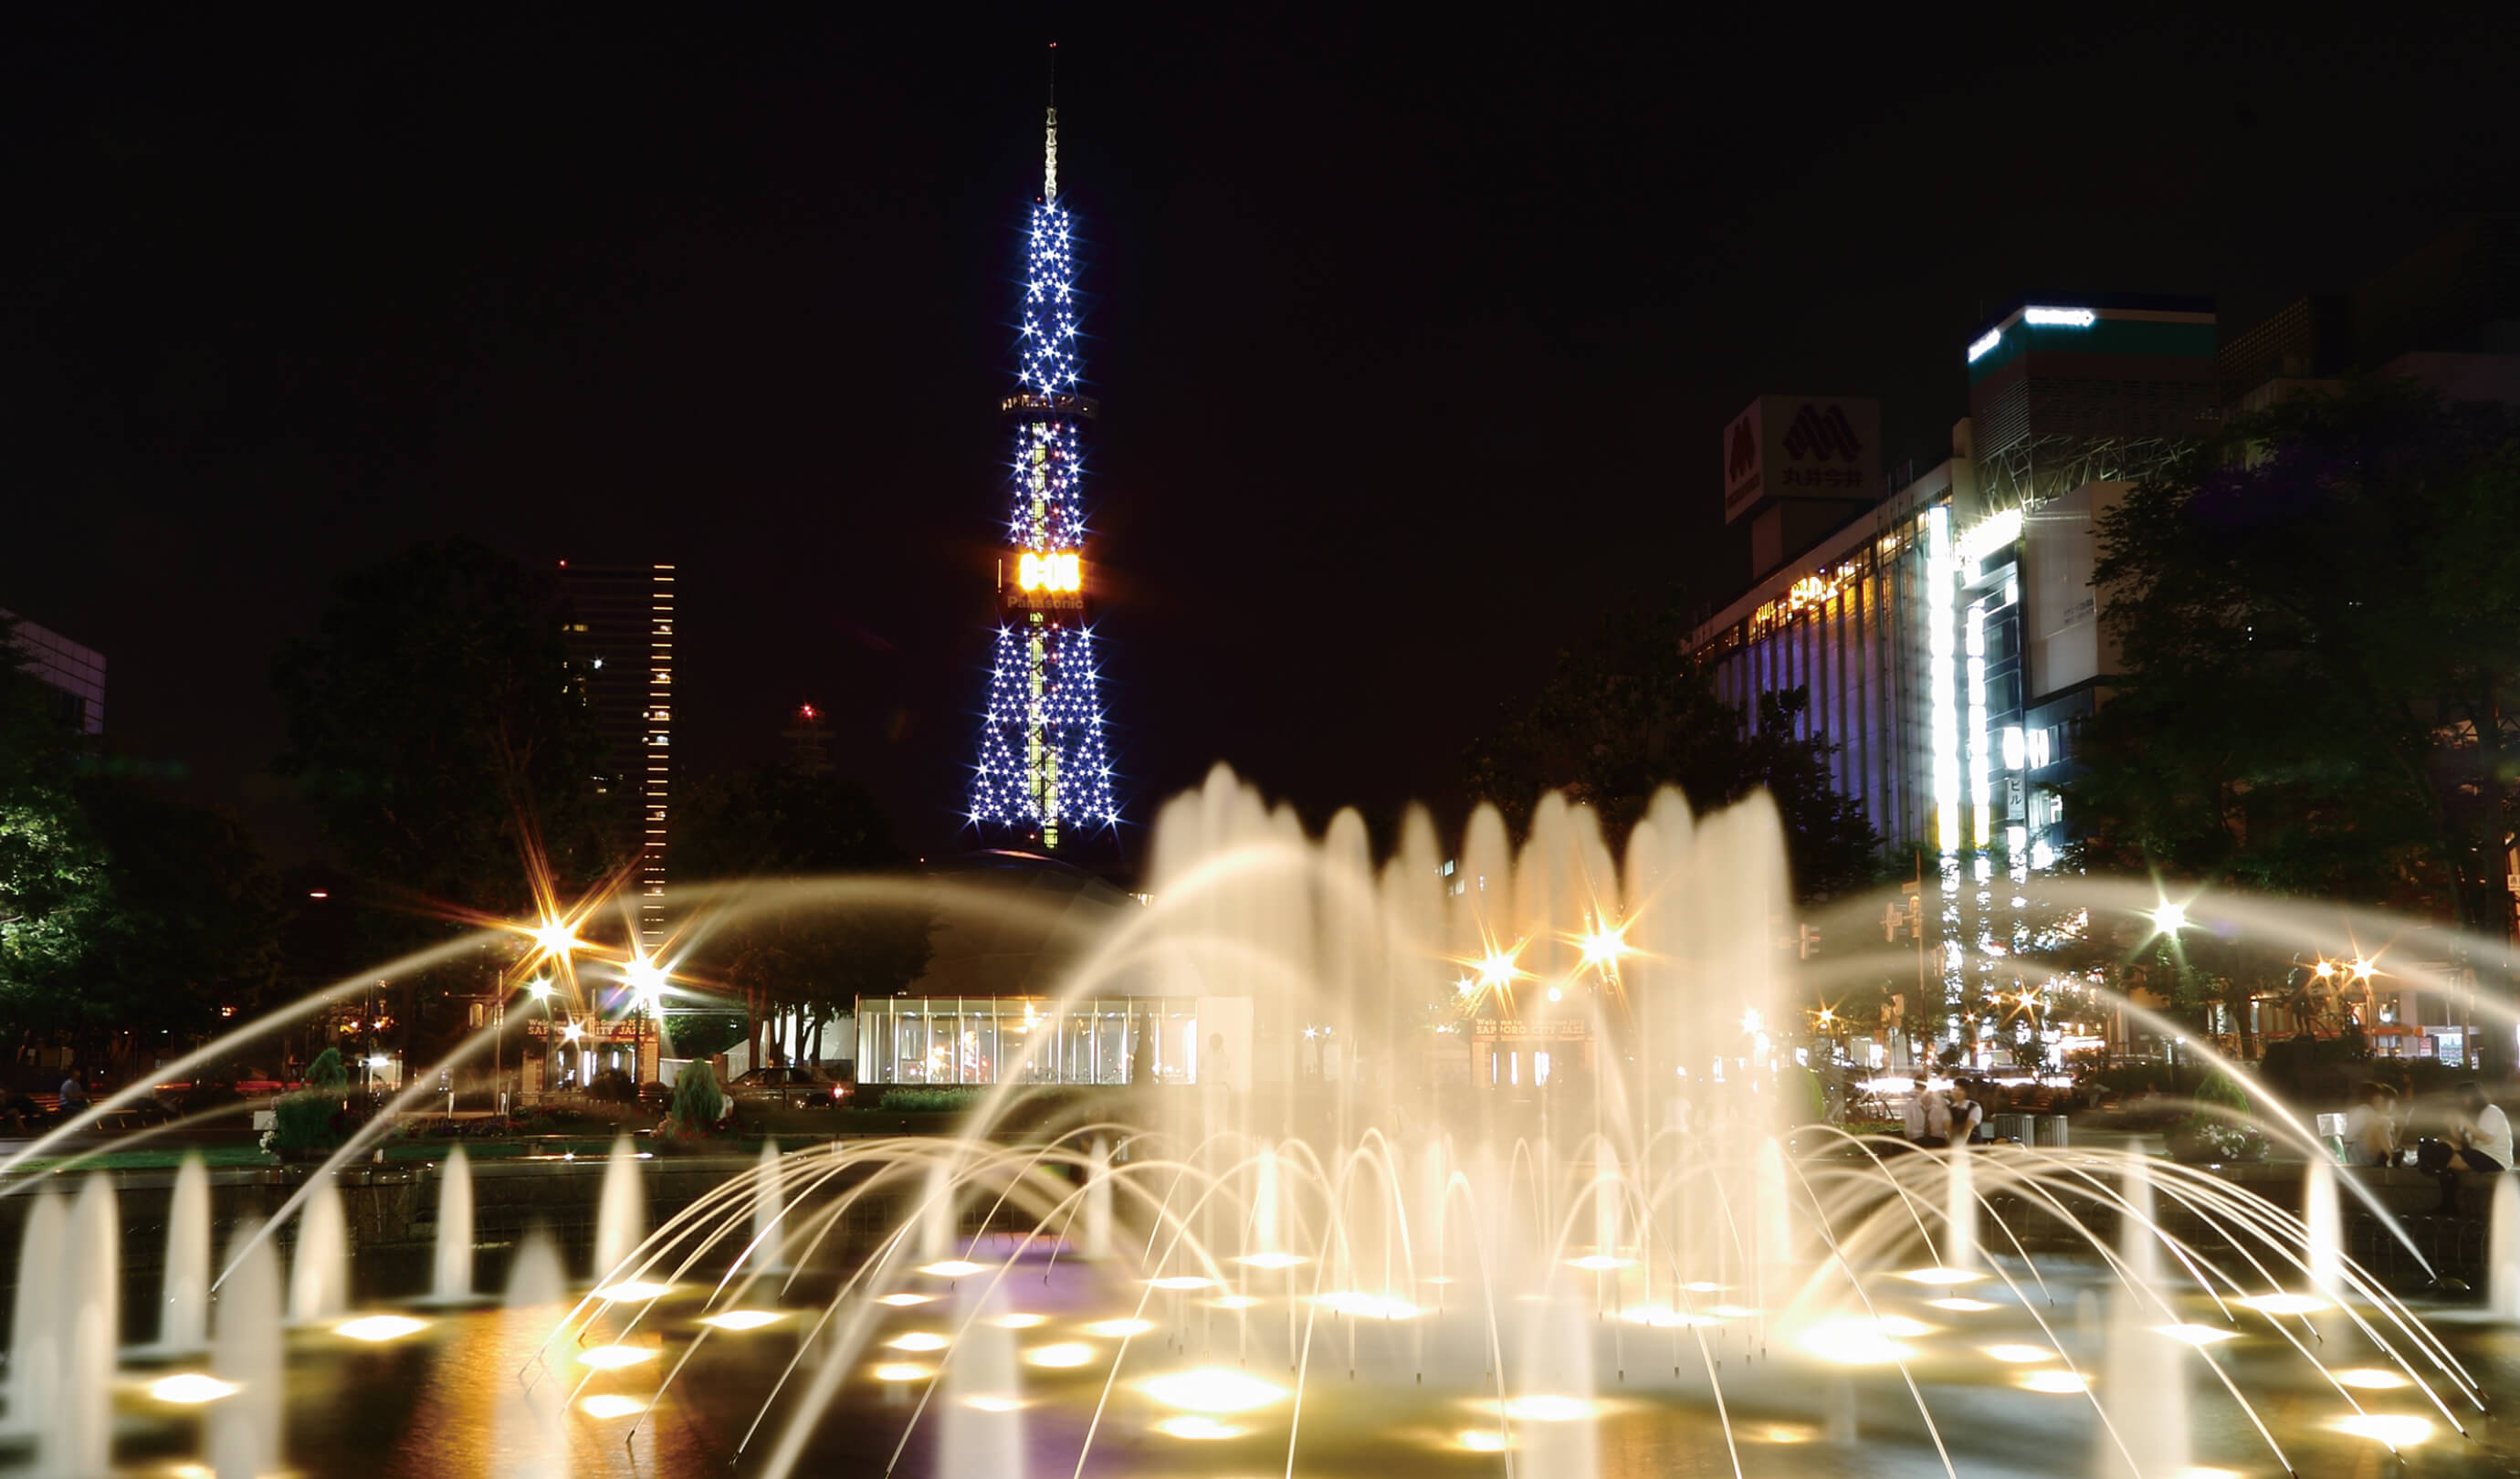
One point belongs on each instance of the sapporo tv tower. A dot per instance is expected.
(1043, 770)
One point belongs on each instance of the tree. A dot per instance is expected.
(51, 867)
(189, 939)
(775, 820)
(1630, 713)
(437, 730)
(2319, 618)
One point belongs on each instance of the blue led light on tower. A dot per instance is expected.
(1043, 770)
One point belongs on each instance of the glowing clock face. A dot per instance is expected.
(1056, 572)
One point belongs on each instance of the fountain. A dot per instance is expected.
(79, 1429)
(319, 1272)
(982, 1436)
(769, 1208)
(2325, 1222)
(37, 1320)
(1959, 1207)
(2502, 1251)
(451, 1280)
(244, 1425)
(621, 1215)
(1098, 1202)
(529, 1417)
(2144, 1384)
(1488, 1157)
(184, 1308)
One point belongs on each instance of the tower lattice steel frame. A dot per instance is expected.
(1043, 770)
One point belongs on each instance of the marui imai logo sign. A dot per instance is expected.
(1797, 446)
(1820, 433)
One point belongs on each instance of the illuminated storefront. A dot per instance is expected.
(982, 1040)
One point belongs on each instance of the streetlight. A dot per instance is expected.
(647, 980)
(2169, 918)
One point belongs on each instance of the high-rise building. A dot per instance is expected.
(620, 635)
(74, 673)
(1044, 775)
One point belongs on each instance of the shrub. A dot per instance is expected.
(311, 1118)
(696, 1100)
(2219, 1130)
(938, 1101)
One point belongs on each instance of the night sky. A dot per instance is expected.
(1414, 342)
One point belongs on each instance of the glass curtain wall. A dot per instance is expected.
(986, 1040)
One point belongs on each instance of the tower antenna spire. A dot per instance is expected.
(1050, 142)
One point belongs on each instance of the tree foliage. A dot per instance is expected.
(2319, 618)
(53, 886)
(121, 909)
(189, 941)
(1629, 713)
(437, 730)
(775, 820)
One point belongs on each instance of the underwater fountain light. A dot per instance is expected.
(1599, 1262)
(1961, 1305)
(1202, 1430)
(1853, 1342)
(1182, 1282)
(1702, 1286)
(953, 1268)
(993, 1403)
(1270, 1260)
(2371, 1378)
(2395, 1429)
(2020, 1355)
(1364, 1306)
(1116, 1329)
(1480, 1441)
(904, 1301)
(1019, 1321)
(608, 1404)
(1211, 1389)
(1066, 1354)
(917, 1340)
(633, 1291)
(2284, 1304)
(191, 1388)
(1940, 1276)
(2196, 1334)
(901, 1371)
(375, 1327)
(1745, 1311)
(613, 1358)
(743, 1319)
(2053, 1382)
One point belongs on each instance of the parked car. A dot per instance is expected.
(796, 1087)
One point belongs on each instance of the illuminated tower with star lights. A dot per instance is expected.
(1043, 775)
